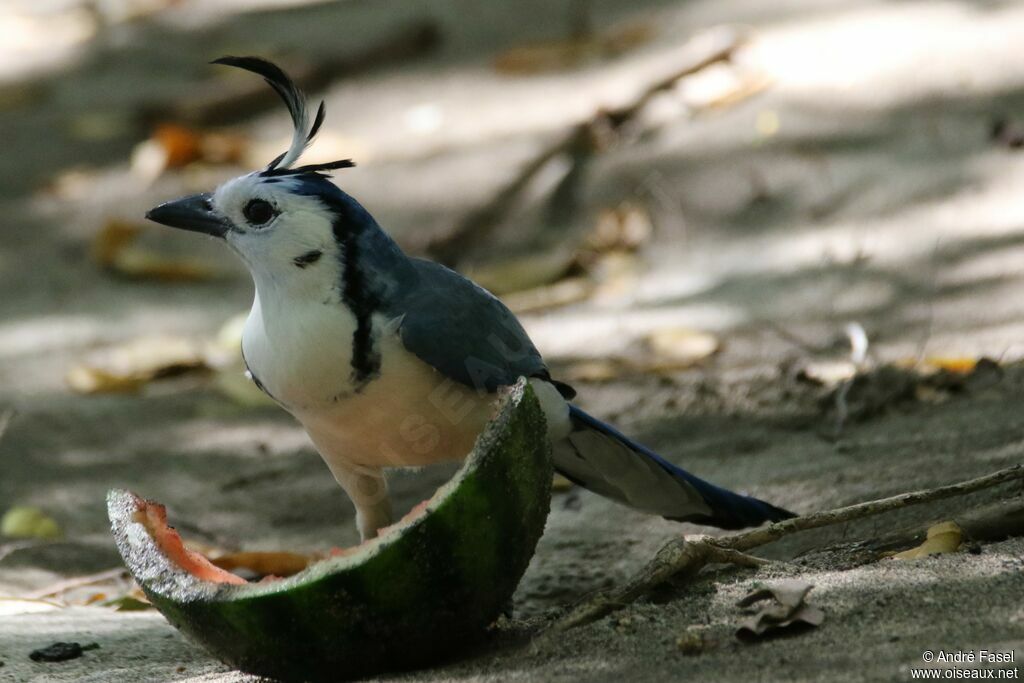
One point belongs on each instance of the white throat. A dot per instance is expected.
(297, 338)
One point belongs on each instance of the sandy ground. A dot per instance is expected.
(861, 185)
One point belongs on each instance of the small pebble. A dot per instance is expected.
(692, 642)
(60, 652)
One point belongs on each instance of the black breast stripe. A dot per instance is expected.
(365, 355)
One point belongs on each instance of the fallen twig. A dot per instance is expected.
(580, 141)
(992, 523)
(682, 557)
(76, 582)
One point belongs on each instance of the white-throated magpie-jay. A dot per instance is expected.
(392, 361)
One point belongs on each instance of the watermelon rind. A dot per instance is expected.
(409, 598)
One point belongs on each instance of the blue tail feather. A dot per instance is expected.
(728, 510)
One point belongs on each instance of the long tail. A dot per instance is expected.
(600, 458)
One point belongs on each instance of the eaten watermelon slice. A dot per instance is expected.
(422, 591)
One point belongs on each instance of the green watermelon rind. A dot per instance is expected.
(406, 599)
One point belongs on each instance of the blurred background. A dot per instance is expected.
(779, 242)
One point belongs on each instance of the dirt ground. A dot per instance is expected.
(860, 184)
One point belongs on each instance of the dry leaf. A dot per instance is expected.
(628, 37)
(569, 291)
(181, 145)
(597, 370)
(114, 248)
(541, 57)
(930, 365)
(787, 592)
(625, 227)
(25, 521)
(827, 373)
(174, 146)
(770, 621)
(941, 538)
(89, 380)
(523, 272)
(184, 145)
(130, 366)
(680, 347)
(112, 239)
(128, 603)
(960, 366)
(694, 641)
(571, 52)
(661, 352)
(780, 606)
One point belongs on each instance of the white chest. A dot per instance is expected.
(406, 415)
(300, 353)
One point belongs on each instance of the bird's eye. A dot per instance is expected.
(258, 211)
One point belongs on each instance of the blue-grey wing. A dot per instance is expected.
(464, 331)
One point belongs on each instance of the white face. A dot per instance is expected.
(276, 232)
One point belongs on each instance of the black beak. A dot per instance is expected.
(194, 213)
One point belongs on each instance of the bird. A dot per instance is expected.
(393, 361)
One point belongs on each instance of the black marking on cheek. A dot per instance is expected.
(307, 259)
(365, 354)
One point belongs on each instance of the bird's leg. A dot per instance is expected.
(369, 493)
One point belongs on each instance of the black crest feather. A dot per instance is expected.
(295, 100)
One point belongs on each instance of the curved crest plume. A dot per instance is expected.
(295, 100)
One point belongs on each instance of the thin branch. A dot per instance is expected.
(76, 582)
(581, 140)
(773, 532)
(682, 557)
